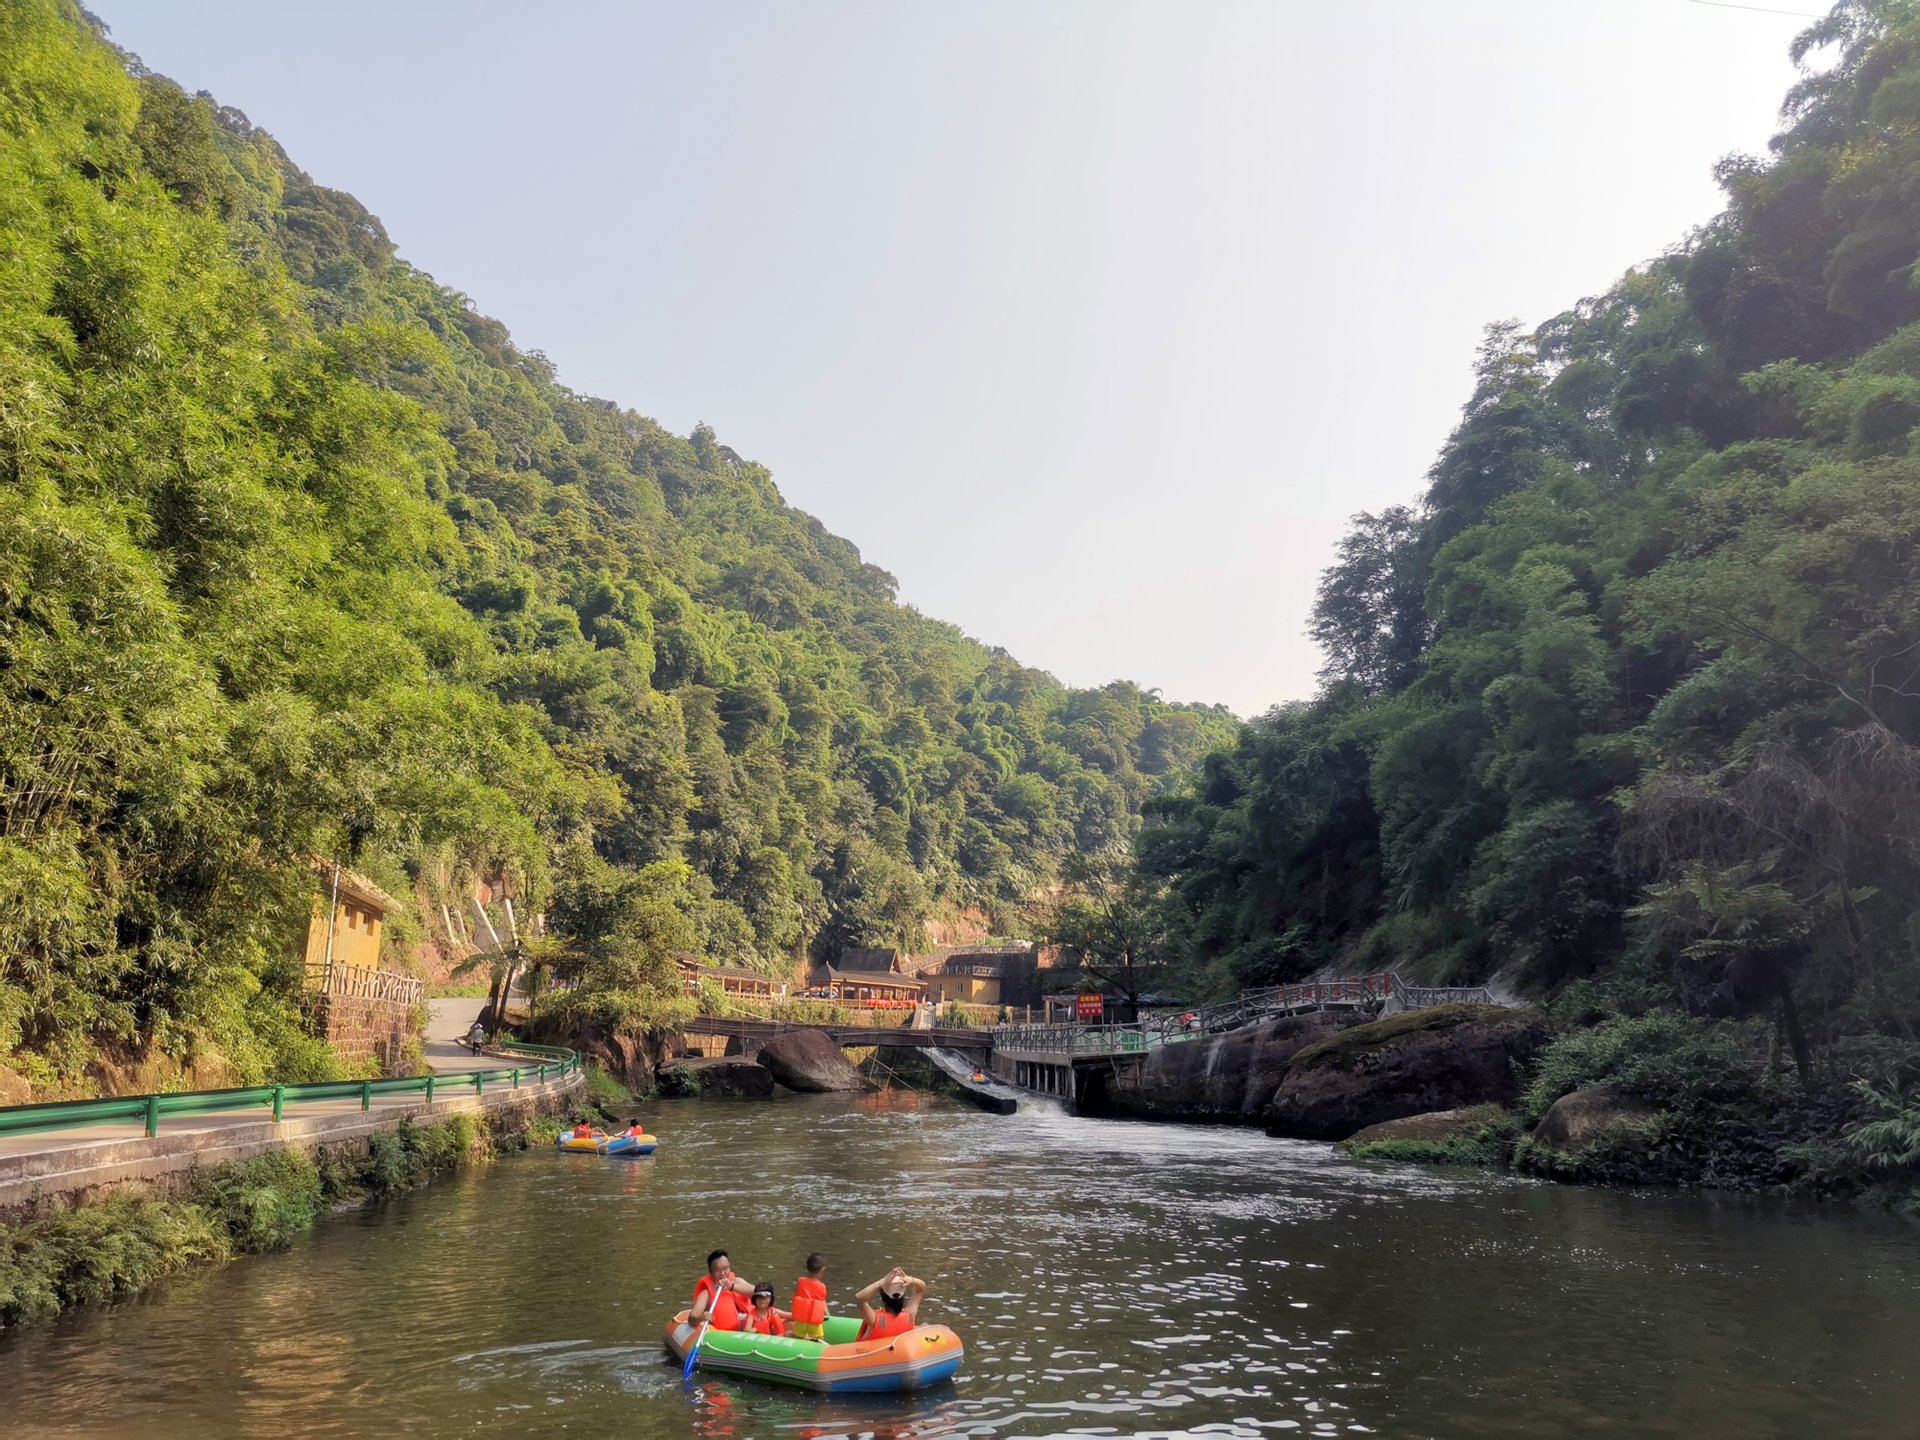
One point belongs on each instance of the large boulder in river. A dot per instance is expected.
(634, 1060)
(809, 1060)
(1227, 1078)
(724, 1076)
(1408, 1064)
(1580, 1117)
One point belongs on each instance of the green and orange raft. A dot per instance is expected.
(911, 1360)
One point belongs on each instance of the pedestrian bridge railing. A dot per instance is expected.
(545, 1062)
(1072, 1039)
(1361, 992)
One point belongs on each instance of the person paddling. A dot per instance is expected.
(714, 1295)
(898, 1295)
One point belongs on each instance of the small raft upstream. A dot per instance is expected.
(922, 1356)
(601, 1143)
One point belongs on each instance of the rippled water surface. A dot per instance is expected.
(1108, 1279)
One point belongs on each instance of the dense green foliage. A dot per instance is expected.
(1633, 695)
(301, 557)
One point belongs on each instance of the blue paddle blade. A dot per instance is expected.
(693, 1354)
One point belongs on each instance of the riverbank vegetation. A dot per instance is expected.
(301, 556)
(125, 1243)
(1626, 708)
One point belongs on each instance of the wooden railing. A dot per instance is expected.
(358, 982)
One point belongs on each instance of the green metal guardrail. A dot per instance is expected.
(553, 1062)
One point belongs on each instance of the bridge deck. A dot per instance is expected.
(951, 1037)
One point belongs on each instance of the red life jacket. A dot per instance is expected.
(767, 1324)
(885, 1323)
(726, 1311)
(809, 1302)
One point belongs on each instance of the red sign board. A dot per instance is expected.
(1091, 1007)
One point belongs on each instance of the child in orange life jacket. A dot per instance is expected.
(763, 1317)
(810, 1300)
(898, 1309)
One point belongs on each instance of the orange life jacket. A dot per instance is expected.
(809, 1302)
(767, 1324)
(725, 1313)
(583, 1132)
(885, 1323)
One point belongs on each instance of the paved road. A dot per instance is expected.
(448, 1020)
(447, 1024)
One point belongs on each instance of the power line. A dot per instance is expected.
(1758, 9)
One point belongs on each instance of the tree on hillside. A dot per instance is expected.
(1112, 919)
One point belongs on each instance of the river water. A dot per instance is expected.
(1109, 1279)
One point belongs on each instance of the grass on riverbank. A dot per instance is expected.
(119, 1246)
(1488, 1139)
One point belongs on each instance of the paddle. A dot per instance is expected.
(693, 1351)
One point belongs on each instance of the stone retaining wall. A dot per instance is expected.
(360, 1027)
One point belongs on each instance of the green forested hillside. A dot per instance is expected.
(1631, 697)
(300, 557)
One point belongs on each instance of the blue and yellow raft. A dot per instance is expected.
(601, 1143)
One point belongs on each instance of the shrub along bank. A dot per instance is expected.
(1665, 1099)
(119, 1246)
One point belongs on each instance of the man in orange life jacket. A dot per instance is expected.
(897, 1309)
(714, 1295)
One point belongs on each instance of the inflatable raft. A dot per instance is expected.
(630, 1145)
(584, 1144)
(922, 1356)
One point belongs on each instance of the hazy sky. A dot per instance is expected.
(1092, 322)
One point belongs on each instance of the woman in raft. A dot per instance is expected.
(897, 1312)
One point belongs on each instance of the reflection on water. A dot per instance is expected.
(1108, 1279)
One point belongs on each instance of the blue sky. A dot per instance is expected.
(1090, 320)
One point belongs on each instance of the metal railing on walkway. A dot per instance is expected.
(552, 1062)
(1071, 1039)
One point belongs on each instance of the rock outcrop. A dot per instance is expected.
(719, 1076)
(636, 1061)
(1410, 1064)
(1222, 1079)
(1435, 1125)
(724, 1076)
(809, 1060)
(1579, 1118)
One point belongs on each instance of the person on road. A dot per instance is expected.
(715, 1294)
(476, 1036)
(890, 1305)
